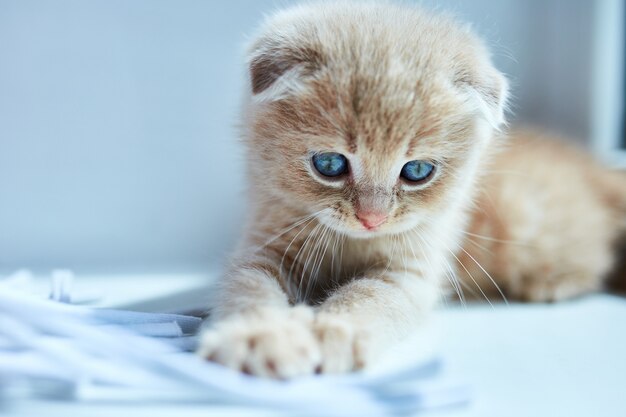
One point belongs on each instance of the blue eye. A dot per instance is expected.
(416, 171)
(330, 164)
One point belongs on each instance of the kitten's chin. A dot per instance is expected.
(367, 234)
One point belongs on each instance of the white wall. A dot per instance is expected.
(545, 47)
(117, 141)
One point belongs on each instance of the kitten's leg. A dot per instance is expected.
(364, 317)
(254, 329)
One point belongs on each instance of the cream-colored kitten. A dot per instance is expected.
(367, 126)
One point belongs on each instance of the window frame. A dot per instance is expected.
(609, 83)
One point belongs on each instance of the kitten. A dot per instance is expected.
(367, 126)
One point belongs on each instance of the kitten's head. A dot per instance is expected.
(374, 115)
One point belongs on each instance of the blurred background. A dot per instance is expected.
(118, 139)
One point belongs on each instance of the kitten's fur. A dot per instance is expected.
(310, 289)
(546, 223)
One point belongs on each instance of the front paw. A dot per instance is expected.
(271, 343)
(344, 347)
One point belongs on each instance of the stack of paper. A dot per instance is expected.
(52, 349)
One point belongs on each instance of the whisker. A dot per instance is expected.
(289, 228)
(336, 261)
(333, 251)
(450, 276)
(488, 275)
(313, 232)
(427, 260)
(317, 264)
(282, 260)
(404, 261)
(478, 245)
(471, 276)
(390, 260)
(343, 240)
(311, 251)
(491, 239)
(467, 271)
(314, 259)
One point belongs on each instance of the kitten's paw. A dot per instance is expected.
(343, 347)
(273, 343)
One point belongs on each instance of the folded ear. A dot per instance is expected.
(270, 62)
(490, 88)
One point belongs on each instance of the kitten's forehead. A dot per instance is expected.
(366, 121)
(379, 78)
(379, 118)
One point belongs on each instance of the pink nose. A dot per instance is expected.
(371, 220)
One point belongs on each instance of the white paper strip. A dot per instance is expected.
(100, 355)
